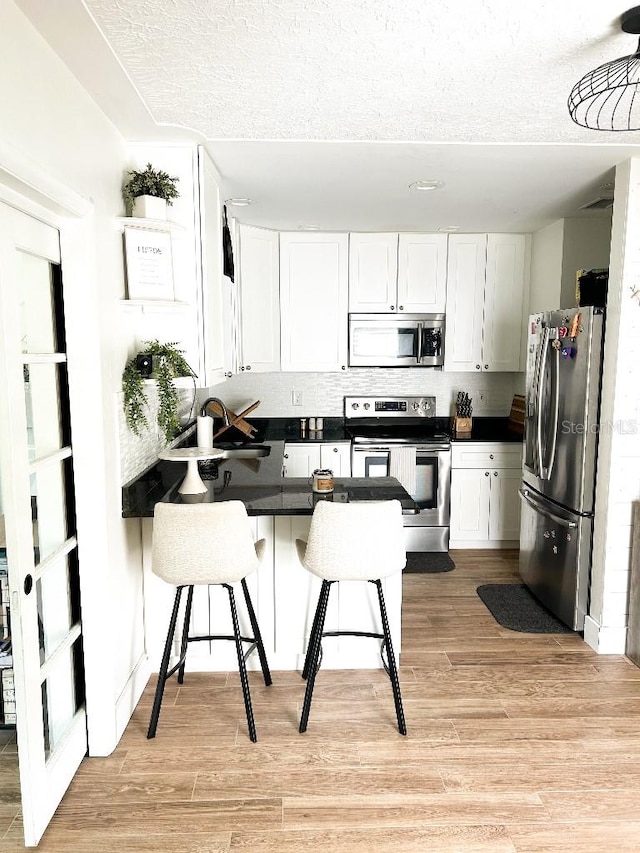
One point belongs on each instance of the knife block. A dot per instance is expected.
(461, 425)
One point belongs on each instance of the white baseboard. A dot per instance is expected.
(603, 640)
(130, 696)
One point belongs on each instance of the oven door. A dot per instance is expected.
(381, 341)
(433, 479)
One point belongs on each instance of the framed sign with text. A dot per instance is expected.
(149, 264)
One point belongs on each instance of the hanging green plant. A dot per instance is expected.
(166, 363)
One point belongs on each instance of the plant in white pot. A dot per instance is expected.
(149, 191)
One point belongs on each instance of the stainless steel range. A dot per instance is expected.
(401, 437)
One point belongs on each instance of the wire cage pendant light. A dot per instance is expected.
(608, 98)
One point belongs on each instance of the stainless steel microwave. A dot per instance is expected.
(396, 340)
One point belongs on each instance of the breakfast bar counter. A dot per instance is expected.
(283, 591)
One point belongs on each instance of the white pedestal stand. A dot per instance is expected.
(192, 483)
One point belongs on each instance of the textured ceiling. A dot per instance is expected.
(411, 70)
(323, 111)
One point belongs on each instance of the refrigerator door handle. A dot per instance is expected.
(524, 494)
(539, 389)
(554, 439)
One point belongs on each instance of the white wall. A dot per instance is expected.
(619, 445)
(587, 245)
(51, 126)
(546, 267)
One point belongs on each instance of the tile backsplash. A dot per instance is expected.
(319, 394)
(322, 393)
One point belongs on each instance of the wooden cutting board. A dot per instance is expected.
(237, 421)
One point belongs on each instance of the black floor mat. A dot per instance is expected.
(428, 562)
(514, 607)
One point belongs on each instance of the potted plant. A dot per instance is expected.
(149, 191)
(163, 363)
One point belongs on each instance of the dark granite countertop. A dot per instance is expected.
(258, 483)
(489, 429)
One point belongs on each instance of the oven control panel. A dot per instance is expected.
(391, 407)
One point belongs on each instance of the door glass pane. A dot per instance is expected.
(61, 696)
(37, 313)
(54, 607)
(49, 496)
(42, 397)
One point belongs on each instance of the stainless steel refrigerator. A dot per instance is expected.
(564, 368)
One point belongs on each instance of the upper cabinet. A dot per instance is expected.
(400, 273)
(314, 279)
(259, 309)
(486, 276)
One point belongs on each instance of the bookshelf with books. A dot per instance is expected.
(7, 689)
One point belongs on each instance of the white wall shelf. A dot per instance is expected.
(174, 228)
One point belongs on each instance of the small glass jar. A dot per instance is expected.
(322, 480)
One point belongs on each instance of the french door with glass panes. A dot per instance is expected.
(37, 502)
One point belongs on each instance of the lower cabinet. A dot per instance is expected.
(284, 596)
(302, 458)
(485, 505)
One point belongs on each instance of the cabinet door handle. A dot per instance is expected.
(344, 366)
(400, 307)
(486, 473)
(477, 367)
(491, 456)
(495, 473)
(228, 374)
(335, 449)
(486, 367)
(248, 367)
(242, 368)
(286, 456)
(392, 307)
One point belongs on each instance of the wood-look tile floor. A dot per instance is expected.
(517, 743)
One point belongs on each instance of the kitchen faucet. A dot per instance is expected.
(225, 413)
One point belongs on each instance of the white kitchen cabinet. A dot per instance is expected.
(486, 278)
(259, 308)
(373, 273)
(314, 284)
(302, 458)
(485, 505)
(400, 273)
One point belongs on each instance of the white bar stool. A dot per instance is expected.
(359, 541)
(206, 544)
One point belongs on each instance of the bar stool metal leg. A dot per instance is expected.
(241, 665)
(393, 671)
(164, 666)
(185, 635)
(314, 653)
(257, 636)
(314, 628)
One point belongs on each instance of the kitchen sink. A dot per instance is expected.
(246, 451)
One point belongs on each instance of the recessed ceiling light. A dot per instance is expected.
(239, 202)
(449, 228)
(308, 227)
(426, 186)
